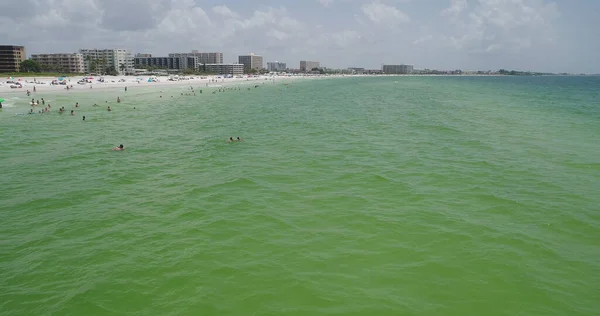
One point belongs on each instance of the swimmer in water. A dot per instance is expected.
(230, 140)
(109, 109)
(84, 117)
(72, 112)
(76, 104)
(120, 147)
(239, 139)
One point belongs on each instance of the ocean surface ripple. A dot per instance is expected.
(355, 196)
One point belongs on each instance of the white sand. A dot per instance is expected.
(43, 84)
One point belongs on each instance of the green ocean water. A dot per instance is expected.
(353, 196)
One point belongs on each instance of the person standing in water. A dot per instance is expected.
(118, 100)
(84, 117)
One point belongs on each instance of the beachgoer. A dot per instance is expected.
(76, 104)
(43, 102)
(109, 109)
(120, 147)
(230, 140)
(125, 89)
(72, 112)
(84, 117)
(239, 139)
(33, 88)
(118, 100)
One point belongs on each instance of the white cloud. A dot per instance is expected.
(224, 11)
(383, 14)
(501, 26)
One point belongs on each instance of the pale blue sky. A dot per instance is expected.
(541, 35)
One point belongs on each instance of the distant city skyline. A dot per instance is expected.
(536, 35)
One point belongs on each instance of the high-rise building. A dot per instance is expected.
(309, 65)
(397, 69)
(276, 66)
(225, 69)
(172, 63)
(68, 62)
(251, 61)
(11, 58)
(202, 58)
(120, 59)
(143, 55)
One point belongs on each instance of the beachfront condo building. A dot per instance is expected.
(11, 58)
(397, 69)
(306, 66)
(201, 58)
(251, 61)
(143, 55)
(66, 62)
(120, 59)
(276, 66)
(224, 69)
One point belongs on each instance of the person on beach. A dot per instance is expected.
(43, 102)
(72, 112)
(120, 147)
(125, 89)
(109, 109)
(76, 104)
(118, 100)
(84, 117)
(34, 89)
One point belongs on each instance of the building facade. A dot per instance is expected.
(68, 62)
(159, 62)
(309, 65)
(120, 59)
(397, 69)
(202, 58)
(11, 58)
(143, 55)
(251, 61)
(276, 66)
(224, 69)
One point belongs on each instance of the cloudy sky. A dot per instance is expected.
(541, 35)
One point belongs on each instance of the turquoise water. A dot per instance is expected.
(355, 196)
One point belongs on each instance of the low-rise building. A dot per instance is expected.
(276, 66)
(11, 58)
(226, 69)
(61, 62)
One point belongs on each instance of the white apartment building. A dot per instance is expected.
(276, 66)
(251, 61)
(309, 65)
(69, 62)
(120, 59)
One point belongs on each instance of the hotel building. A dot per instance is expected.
(397, 69)
(251, 61)
(306, 66)
(276, 66)
(108, 58)
(202, 58)
(67, 62)
(11, 58)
